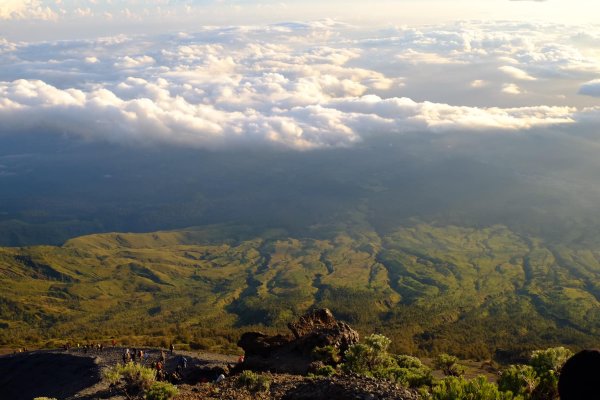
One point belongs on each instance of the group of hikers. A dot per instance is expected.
(142, 357)
(97, 347)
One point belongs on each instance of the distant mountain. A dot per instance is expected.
(430, 288)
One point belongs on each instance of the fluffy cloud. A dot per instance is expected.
(155, 113)
(26, 9)
(299, 86)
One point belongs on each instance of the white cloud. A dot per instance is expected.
(283, 85)
(516, 73)
(511, 88)
(157, 114)
(479, 83)
(25, 9)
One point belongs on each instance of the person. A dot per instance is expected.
(163, 356)
(183, 362)
(133, 355)
(172, 348)
(241, 359)
(114, 342)
(126, 356)
(160, 371)
(580, 376)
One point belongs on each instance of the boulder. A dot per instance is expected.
(293, 353)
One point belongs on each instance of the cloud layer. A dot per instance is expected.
(299, 86)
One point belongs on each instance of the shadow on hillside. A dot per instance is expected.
(28, 375)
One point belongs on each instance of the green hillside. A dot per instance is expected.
(460, 290)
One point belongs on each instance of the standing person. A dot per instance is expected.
(183, 362)
(133, 354)
(172, 348)
(163, 356)
(159, 371)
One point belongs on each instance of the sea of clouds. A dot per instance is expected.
(302, 85)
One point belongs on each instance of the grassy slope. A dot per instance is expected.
(466, 291)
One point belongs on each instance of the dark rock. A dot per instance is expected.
(293, 354)
(257, 343)
(322, 318)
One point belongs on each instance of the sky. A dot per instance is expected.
(66, 19)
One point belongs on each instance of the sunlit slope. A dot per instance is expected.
(431, 288)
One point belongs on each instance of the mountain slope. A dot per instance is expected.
(464, 290)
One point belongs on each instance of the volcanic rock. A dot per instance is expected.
(293, 353)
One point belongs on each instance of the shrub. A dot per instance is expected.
(449, 365)
(457, 388)
(134, 378)
(328, 354)
(161, 391)
(547, 365)
(369, 358)
(254, 382)
(411, 372)
(551, 359)
(326, 370)
(519, 379)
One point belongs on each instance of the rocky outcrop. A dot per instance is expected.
(293, 353)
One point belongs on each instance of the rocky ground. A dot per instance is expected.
(296, 387)
(286, 362)
(76, 375)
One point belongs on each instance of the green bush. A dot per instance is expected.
(369, 358)
(449, 365)
(519, 379)
(161, 391)
(326, 370)
(254, 382)
(551, 359)
(328, 354)
(133, 378)
(457, 388)
(411, 372)
(547, 365)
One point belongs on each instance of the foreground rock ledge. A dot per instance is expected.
(292, 354)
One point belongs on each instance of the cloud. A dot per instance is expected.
(156, 114)
(511, 88)
(282, 85)
(25, 9)
(591, 88)
(516, 73)
(478, 83)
